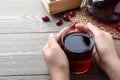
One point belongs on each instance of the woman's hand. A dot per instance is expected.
(55, 58)
(105, 50)
(105, 53)
(106, 56)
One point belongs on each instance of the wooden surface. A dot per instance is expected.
(56, 6)
(22, 37)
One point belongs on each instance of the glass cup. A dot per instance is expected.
(78, 45)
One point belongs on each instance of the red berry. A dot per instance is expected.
(59, 22)
(72, 25)
(45, 18)
(72, 14)
(66, 18)
(118, 29)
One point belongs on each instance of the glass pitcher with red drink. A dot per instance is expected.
(104, 10)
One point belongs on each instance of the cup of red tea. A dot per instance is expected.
(78, 44)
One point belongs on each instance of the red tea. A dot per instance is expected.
(78, 48)
(105, 10)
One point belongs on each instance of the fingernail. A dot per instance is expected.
(89, 23)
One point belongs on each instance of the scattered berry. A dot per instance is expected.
(59, 22)
(45, 18)
(66, 18)
(72, 25)
(118, 29)
(72, 13)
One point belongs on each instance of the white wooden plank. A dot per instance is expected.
(28, 42)
(37, 77)
(22, 42)
(18, 6)
(22, 65)
(28, 24)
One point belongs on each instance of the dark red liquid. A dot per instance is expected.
(105, 10)
(78, 48)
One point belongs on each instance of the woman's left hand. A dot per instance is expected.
(55, 57)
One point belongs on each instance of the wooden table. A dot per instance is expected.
(22, 37)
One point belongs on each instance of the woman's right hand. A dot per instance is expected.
(105, 53)
(105, 50)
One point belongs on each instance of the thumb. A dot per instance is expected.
(52, 41)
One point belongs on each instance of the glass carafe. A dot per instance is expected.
(105, 10)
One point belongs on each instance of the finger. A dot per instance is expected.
(97, 58)
(81, 26)
(94, 51)
(45, 48)
(58, 35)
(93, 28)
(52, 41)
